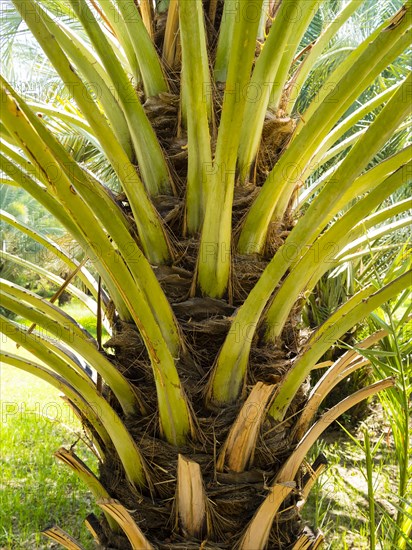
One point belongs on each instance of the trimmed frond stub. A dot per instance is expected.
(258, 530)
(303, 543)
(310, 478)
(291, 466)
(343, 367)
(126, 522)
(94, 527)
(170, 43)
(191, 500)
(87, 476)
(309, 542)
(238, 450)
(67, 541)
(320, 539)
(333, 376)
(257, 533)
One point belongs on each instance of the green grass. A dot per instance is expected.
(84, 316)
(338, 504)
(37, 491)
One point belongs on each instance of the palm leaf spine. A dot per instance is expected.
(353, 311)
(264, 78)
(150, 157)
(215, 244)
(321, 255)
(287, 172)
(150, 67)
(197, 90)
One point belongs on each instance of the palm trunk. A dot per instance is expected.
(206, 257)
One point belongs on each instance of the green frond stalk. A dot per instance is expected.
(287, 172)
(307, 12)
(120, 30)
(215, 244)
(71, 289)
(317, 48)
(348, 122)
(52, 318)
(321, 159)
(322, 209)
(61, 115)
(139, 34)
(60, 185)
(197, 93)
(320, 257)
(373, 177)
(353, 311)
(55, 207)
(61, 384)
(122, 441)
(388, 41)
(96, 81)
(226, 31)
(270, 73)
(326, 152)
(24, 179)
(150, 157)
(374, 235)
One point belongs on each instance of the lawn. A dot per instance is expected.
(37, 491)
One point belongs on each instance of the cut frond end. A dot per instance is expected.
(191, 498)
(257, 533)
(87, 476)
(58, 535)
(126, 522)
(239, 448)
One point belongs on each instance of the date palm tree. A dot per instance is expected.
(209, 181)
